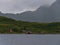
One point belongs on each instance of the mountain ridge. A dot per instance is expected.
(42, 14)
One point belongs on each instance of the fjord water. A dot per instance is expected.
(25, 39)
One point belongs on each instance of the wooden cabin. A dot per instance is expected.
(10, 30)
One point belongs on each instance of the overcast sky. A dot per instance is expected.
(14, 6)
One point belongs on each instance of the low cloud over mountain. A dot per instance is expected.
(42, 14)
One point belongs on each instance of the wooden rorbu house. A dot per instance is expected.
(10, 30)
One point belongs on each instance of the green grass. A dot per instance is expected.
(36, 28)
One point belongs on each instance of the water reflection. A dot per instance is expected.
(25, 39)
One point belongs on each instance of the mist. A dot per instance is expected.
(15, 6)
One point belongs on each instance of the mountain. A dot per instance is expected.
(55, 10)
(42, 14)
(46, 14)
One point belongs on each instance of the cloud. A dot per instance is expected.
(13, 6)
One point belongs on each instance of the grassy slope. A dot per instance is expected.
(37, 28)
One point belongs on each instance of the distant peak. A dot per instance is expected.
(57, 0)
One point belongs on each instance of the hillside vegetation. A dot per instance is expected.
(17, 27)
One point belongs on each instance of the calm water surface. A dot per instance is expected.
(25, 39)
